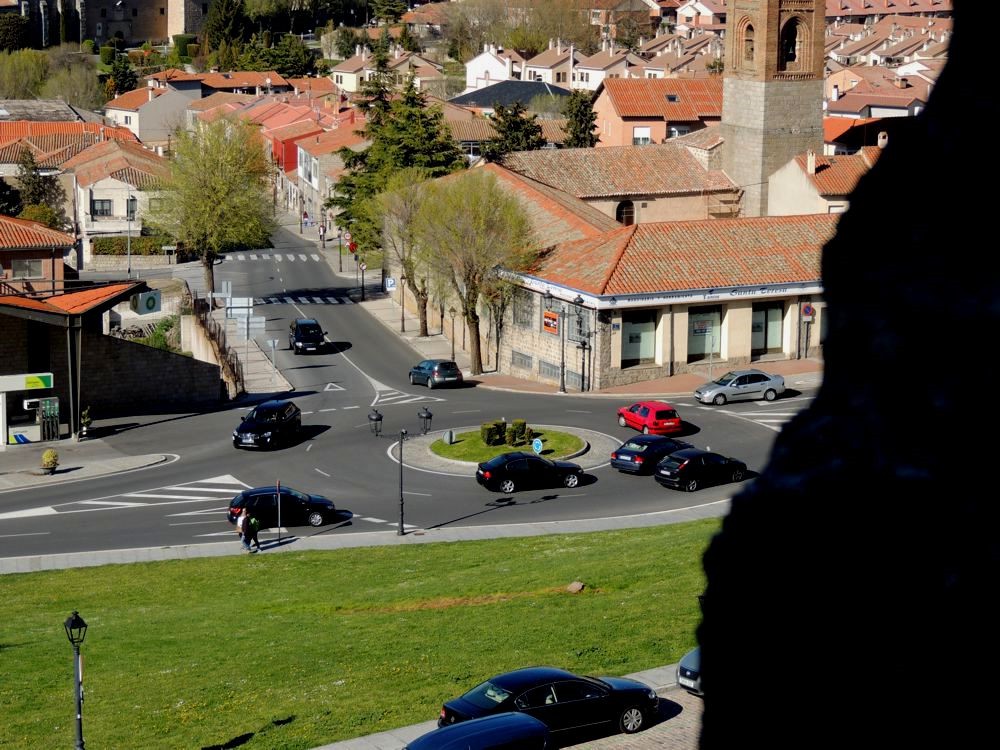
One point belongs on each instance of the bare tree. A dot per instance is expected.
(468, 227)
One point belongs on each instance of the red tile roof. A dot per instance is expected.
(333, 140)
(655, 169)
(839, 175)
(53, 142)
(132, 100)
(129, 162)
(689, 255)
(71, 303)
(20, 234)
(835, 127)
(242, 79)
(647, 97)
(218, 98)
(173, 74)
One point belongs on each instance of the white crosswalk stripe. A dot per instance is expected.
(286, 300)
(314, 256)
(279, 257)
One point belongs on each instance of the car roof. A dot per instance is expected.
(648, 439)
(274, 403)
(656, 404)
(689, 453)
(522, 678)
(507, 725)
(306, 320)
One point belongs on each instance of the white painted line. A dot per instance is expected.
(110, 503)
(467, 411)
(240, 256)
(427, 494)
(32, 533)
(323, 410)
(322, 472)
(372, 519)
(277, 256)
(578, 411)
(302, 256)
(308, 412)
(291, 257)
(309, 447)
(152, 496)
(253, 256)
(351, 407)
(314, 256)
(29, 513)
(198, 523)
(199, 512)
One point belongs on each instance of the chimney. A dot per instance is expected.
(559, 46)
(510, 67)
(550, 44)
(150, 93)
(810, 162)
(357, 50)
(883, 139)
(836, 93)
(486, 46)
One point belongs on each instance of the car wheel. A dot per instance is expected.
(571, 480)
(770, 395)
(430, 383)
(631, 720)
(297, 352)
(691, 485)
(645, 429)
(719, 400)
(507, 486)
(621, 421)
(315, 518)
(738, 475)
(411, 378)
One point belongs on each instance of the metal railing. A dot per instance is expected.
(229, 361)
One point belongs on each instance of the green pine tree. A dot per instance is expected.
(581, 120)
(516, 131)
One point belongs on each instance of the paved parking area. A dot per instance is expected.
(678, 729)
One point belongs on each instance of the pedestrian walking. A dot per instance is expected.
(250, 529)
(241, 528)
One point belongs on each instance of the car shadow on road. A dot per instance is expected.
(666, 710)
(338, 347)
(306, 433)
(501, 503)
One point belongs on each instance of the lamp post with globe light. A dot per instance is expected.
(76, 631)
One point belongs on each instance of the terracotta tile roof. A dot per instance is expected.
(835, 127)
(333, 140)
(839, 175)
(173, 74)
(705, 139)
(431, 13)
(129, 162)
(217, 98)
(293, 131)
(836, 8)
(71, 303)
(242, 79)
(549, 58)
(353, 64)
(554, 131)
(320, 85)
(656, 169)
(21, 234)
(687, 255)
(479, 129)
(647, 97)
(132, 100)
(53, 146)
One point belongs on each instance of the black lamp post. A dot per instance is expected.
(375, 422)
(402, 303)
(76, 631)
(451, 311)
(549, 304)
(340, 250)
(402, 439)
(583, 345)
(425, 420)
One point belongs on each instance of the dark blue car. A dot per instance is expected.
(506, 731)
(639, 455)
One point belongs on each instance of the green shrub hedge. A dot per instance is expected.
(492, 433)
(139, 246)
(87, 47)
(107, 55)
(181, 41)
(192, 50)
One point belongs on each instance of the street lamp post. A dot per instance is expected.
(402, 303)
(425, 417)
(76, 631)
(128, 239)
(340, 250)
(550, 305)
(578, 301)
(451, 311)
(402, 439)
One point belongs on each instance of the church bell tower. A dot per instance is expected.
(772, 102)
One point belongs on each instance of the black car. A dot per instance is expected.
(269, 424)
(641, 454)
(510, 472)
(297, 508)
(506, 731)
(306, 335)
(435, 372)
(563, 701)
(692, 468)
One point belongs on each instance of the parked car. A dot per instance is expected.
(689, 671)
(692, 468)
(741, 385)
(641, 454)
(650, 418)
(562, 700)
(435, 372)
(297, 508)
(306, 335)
(268, 425)
(507, 731)
(518, 470)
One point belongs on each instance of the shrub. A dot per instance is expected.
(87, 47)
(141, 245)
(511, 435)
(50, 459)
(107, 55)
(520, 431)
(193, 49)
(492, 433)
(136, 56)
(181, 41)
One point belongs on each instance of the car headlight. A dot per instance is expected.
(267, 435)
(235, 434)
(651, 694)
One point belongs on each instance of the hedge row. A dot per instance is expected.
(499, 432)
(140, 245)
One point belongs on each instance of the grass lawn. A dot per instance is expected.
(296, 650)
(468, 446)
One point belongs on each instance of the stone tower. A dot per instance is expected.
(772, 104)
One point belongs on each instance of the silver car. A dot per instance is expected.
(741, 385)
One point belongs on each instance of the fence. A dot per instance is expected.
(229, 361)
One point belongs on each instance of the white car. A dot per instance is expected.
(689, 671)
(741, 385)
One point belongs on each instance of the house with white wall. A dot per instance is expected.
(492, 65)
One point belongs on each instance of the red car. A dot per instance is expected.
(650, 418)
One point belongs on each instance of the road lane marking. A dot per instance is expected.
(29, 513)
(322, 472)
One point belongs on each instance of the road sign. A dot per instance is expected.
(808, 310)
(239, 307)
(390, 284)
(363, 266)
(536, 445)
(273, 343)
(352, 246)
(347, 236)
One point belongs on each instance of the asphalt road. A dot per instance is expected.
(182, 501)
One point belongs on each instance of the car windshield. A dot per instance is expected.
(486, 695)
(672, 463)
(309, 329)
(263, 415)
(666, 414)
(631, 445)
(294, 493)
(726, 379)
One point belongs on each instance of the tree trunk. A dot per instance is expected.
(421, 297)
(475, 348)
(208, 270)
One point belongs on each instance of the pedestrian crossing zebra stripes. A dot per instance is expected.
(302, 299)
(278, 257)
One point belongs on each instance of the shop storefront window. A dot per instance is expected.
(766, 328)
(704, 333)
(638, 337)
